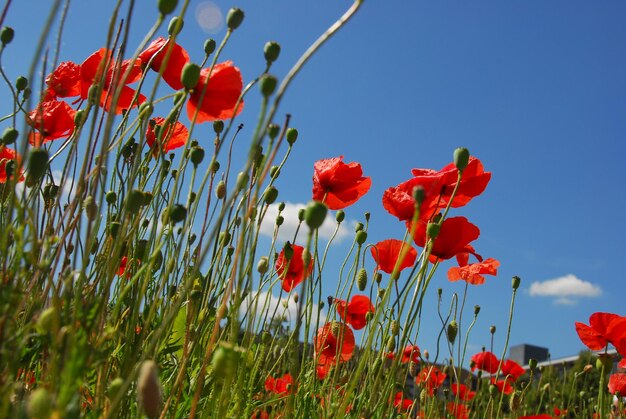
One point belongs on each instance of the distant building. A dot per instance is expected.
(524, 352)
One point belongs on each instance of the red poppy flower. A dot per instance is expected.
(354, 312)
(431, 377)
(458, 410)
(617, 383)
(463, 257)
(7, 155)
(604, 328)
(279, 385)
(291, 272)
(410, 353)
(485, 361)
(171, 137)
(463, 392)
(91, 72)
(327, 344)
(559, 412)
(622, 363)
(53, 119)
(64, 81)
(223, 89)
(337, 184)
(454, 237)
(473, 182)
(473, 274)
(401, 403)
(124, 265)
(387, 252)
(399, 202)
(512, 369)
(504, 386)
(155, 55)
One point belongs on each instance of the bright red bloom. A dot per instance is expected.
(432, 378)
(155, 55)
(327, 344)
(485, 361)
(458, 410)
(224, 85)
(558, 412)
(337, 184)
(401, 403)
(387, 252)
(617, 383)
(512, 370)
(399, 202)
(91, 72)
(604, 328)
(279, 385)
(291, 272)
(473, 182)
(52, 119)
(171, 137)
(64, 81)
(354, 312)
(411, 353)
(7, 155)
(504, 386)
(463, 392)
(622, 363)
(473, 274)
(122, 267)
(454, 237)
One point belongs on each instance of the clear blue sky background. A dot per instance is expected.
(536, 89)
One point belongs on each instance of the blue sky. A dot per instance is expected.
(536, 89)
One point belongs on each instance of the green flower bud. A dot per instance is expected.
(224, 238)
(134, 201)
(273, 130)
(39, 403)
(157, 261)
(91, 208)
(433, 230)
(141, 249)
(315, 214)
(280, 220)
(111, 197)
(361, 279)
(453, 329)
(604, 363)
(270, 195)
(378, 277)
(476, 310)
(209, 46)
(196, 155)
(361, 236)
(177, 213)
(79, 118)
(395, 327)
(50, 191)
(37, 163)
(340, 216)
(114, 228)
(220, 189)
(419, 194)
(175, 26)
(234, 18)
(9, 135)
(287, 251)
(492, 330)
(268, 84)
(515, 282)
(190, 75)
(218, 126)
(145, 110)
(26, 93)
(281, 206)
(301, 213)
(215, 166)
(6, 35)
(274, 172)
(167, 6)
(461, 158)
(271, 51)
(358, 227)
(391, 344)
(21, 83)
(48, 321)
(242, 180)
(262, 265)
(292, 135)
(149, 389)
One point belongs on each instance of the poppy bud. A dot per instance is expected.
(167, 6)
(37, 163)
(114, 387)
(361, 279)
(419, 194)
(48, 321)
(361, 236)
(110, 197)
(79, 118)
(295, 297)
(141, 249)
(587, 368)
(545, 387)
(91, 208)
(6, 35)
(196, 155)
(268, 85)
(433, 230)
(190, 75)
(262, 265)
(270, 195)
(315, 214)
(175, 26)
(378, 277)
(395, 328)
(209, 46)
(177, 213)
(220, 189)
(461, 158)
(281, 206)
(92, 93)
(50, 191)
(493, 390)
(242, 180)
(21, 83)
(149, 389)
(218, 126)
(301, 212)
(114, 228)
(287, 251)
(145, 110)
(134, 201)
(340, 216)
(492, 330)
(292, 135)
(234, 18)
(271, 51)
(273, 130)
(604, 363)
(9, 135)
(39, 404)
(515, 282)
(381, 293)
(157, 262)
(391, 344)
(280, 220)
(274, 172)
(224, 238)
(476, 310)
(453, 329)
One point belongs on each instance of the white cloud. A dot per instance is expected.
(565, 289)
(289, 226)
(264, 303)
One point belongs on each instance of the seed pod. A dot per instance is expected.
(149, 389)
(271, 51)
(209, 46)
(21, 83)
(268, 84)
(196, 155)
(134, 201)
(37, 164)
(6, 35)
(515, 282)
(234, 18)
(177, 213)
(167, 6)
(273, 130)
(218, 126)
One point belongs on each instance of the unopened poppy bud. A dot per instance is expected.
(391, 344)
(604, 363)
(315, 214)
(37, 163)
(360, 237)
(224, 238)
(177, 213)
(234, 18)
(271, 51)
(79, 117)
(92, 93)
(26, 93)
(50, 191)
(381, 293)
(515, 282)
(301, 213)
(295, 297)
(492, 330)
(220, 189)
(21, 83)
(110, 197)
(515, 401)
(190, 75)
(587, 368)
(273, 130)
(39, 404)
(141, 249)
(493, 390)
(149, 389)
(274, 172)
(292, 135)
(6, 35)
(433, 230)
(157, 261)
(209, 46)
(361, 279)
(419, 194)
(9, 135)
(340, 216)
(395, 327)
(281, 206)
(48, 321)
(175, 26)
(378, 277)
(532, 364)
(167, 6)
(262, 265)
(114, 228)
(242, 180)
(268, 84)
(218, 126)
(453, 329)
(476, 310)
(145, 110)
(91, 208)
(134, 201)
(287, 251)
(280, 220)
(461, 158)
(196, 155)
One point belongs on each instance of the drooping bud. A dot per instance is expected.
(271, 51)
(515, 282)
(292, 135)
(453, 329)
(315, 214)
(515, 401)
(234, 18)
(361, 279)
(190, 75)
(149, 389)
(461, 158)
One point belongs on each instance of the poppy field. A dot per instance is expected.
(135, 281)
